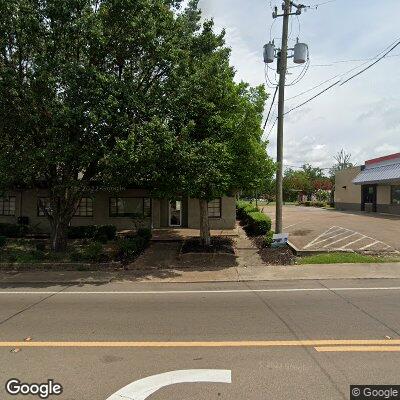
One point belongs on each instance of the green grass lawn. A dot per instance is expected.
(343, 258)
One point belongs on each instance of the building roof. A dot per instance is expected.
(388, 174)
(390, 158)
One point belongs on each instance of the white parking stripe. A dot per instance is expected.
(325, 240)
(351, 243)
(338, 231)
(370, 245)
(319, 237)
(340, 240)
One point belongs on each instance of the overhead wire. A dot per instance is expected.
(370, 66)
(346, 72)
(347, 80)
(270, 109)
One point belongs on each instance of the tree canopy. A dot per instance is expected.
(122, 91)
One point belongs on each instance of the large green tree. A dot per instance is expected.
(78, 77)
(122, 91)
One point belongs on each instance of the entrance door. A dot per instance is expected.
(369, 198)
(175, 213)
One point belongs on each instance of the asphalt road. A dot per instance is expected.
(276, 340)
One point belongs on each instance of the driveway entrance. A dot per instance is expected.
(312, 228)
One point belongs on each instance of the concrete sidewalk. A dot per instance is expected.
(233, 274)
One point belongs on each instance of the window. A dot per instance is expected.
(130, 207)
(396, 195)
(43, 204)
(85, 208)
(214, 208)
(7, 206)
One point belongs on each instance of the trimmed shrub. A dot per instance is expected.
(81, 232)
(109, 231)
(41, 246)
(258, 223)
(131, 247)
(243, 208)
(92, 253)
(100, 233)
(268, 239)
(145, 233)
(13, 230)
(3, 241)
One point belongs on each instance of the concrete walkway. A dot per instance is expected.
(233, 274)
(246, 251)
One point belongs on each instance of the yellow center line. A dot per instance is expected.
(360, 349)
(269, 343)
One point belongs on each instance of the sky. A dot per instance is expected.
(363, 116)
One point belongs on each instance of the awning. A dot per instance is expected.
(386, 174)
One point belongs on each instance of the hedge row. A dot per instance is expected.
(13, 230)
(257, 223)
(100, 233)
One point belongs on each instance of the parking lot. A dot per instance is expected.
(312, 228)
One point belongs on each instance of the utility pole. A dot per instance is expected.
(300, 56)
(282, 65)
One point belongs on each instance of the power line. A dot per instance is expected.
(312, 98)
(272, 127)
(370, 66)
(348, 61)
(272, 104)
(347, 80)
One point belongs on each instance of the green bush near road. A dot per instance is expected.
(81, 232)
(268, 239)
(13, 230)
(257, 223)
(131, 247)
(100, 233)
(3, 241)
(243, 208)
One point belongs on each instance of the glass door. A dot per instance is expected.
(175, 213)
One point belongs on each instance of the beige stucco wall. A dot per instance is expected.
(228, 214)
(384, 194)
(345, 190)
(101, 215)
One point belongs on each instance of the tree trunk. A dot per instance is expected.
(205, 234)
(58, 234)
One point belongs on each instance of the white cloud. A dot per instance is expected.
(364, 115)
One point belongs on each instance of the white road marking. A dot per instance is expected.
(325, 240)
(370, 245)
(144, 388)
(337, 241)
(318, 237)
(340, 231)
(290, 226)
(351, 243)
(167, 292)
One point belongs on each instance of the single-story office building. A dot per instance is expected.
(117, 208)
(372, 187)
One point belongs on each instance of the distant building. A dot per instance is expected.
(373, 187)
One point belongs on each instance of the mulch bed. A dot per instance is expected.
(271, 256)
(218, 245)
